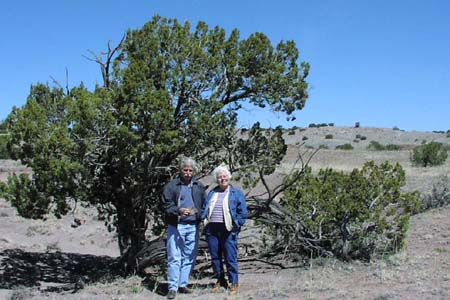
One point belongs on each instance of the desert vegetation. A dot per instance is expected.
(429, 154)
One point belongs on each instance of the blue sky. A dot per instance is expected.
(383, 63)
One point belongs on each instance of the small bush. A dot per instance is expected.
(363, 138)
(304, 138)
(323, 146)
(344, 147)
(4, 154)
(357, 125)
(393, 147)
(328, 136)
(374, 145)
(430, 154)
(358, 136)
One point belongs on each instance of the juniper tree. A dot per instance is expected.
(169, 90)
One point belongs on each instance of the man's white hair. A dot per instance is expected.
(187, 161)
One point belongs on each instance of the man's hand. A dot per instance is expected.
(184, 211)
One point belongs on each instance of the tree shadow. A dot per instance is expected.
(54, 271)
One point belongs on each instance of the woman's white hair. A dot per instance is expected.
(221, 169)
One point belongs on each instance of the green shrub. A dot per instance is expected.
(344, 147)
(328, 136)
(393, 147)
(323, 146)
(374, 145)
(429, 154)
(356, 215)
(304, 138)
(363, 138)
(4, 154)
(18, 190)
(3, 149)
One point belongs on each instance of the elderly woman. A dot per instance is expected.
(224, 212)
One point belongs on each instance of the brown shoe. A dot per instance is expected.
(217, 287)
(234, 289)
(221, 283)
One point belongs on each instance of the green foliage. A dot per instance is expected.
(314, 125)
(376, 146)
(19, 190)
(328, 136)
(3, 147)
(354, 215)
(393, 147)
(3, 141)
(173, 90)
(429, 154)
(344, 147)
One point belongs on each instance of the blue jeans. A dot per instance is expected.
(222, 244)
(181, 254)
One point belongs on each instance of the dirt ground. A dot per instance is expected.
(29, 248)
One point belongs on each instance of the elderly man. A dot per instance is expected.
(183, 200)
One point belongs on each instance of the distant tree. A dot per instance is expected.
(377, 146)
(169, 90)
(393, 147)
(344, 147)
(429, 154)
